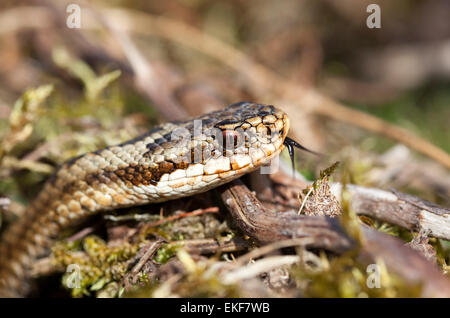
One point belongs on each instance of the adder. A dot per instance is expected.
(173, 160)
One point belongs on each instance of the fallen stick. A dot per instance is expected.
(407, 211)
(265, 226)
(260, 78)
(398, 208)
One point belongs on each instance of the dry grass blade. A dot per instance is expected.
(258, 268)
(261, 78)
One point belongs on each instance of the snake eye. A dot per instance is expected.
(231, 139)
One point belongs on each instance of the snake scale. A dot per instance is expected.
(173, 160)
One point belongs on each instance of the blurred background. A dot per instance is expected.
(375, 99)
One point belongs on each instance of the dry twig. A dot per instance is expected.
(394, 207)
(261, 79)
(252, 218)
(179, 216)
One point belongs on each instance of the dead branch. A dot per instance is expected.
(261, 79)
(46, 266)
(211, 246)
(253, 219)
(398, 208)
(410, 212)
(179, 216)
(145, 78)
(406, 262)
(148, 251)
(249, 214)
(265, 226)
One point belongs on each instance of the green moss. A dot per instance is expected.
(96, 268)
(167, 251)
(66, 124)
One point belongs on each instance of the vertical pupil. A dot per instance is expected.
(230, 138)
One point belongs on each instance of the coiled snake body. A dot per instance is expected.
(173, 160)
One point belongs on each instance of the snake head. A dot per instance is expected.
(257, 130)
(216, 146)
(249, 133)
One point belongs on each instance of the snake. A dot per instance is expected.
(173, 160)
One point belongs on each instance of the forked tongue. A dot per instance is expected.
(290, 144)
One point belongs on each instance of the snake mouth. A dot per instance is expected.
(291, 144)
